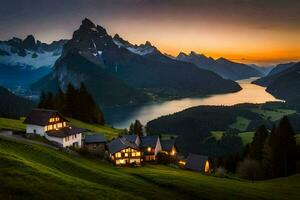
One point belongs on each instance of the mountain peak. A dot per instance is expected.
(182, 54)
(29, 42)
(87, 23)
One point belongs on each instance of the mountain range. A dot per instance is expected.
(119, 73)
(22, 62)
(225, 68)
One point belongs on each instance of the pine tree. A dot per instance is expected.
(284, 149)
(138, 128)
(255, 150)
(131, 129)
(70, 96)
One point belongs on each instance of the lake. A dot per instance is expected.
(250, 93)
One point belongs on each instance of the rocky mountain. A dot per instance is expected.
(25, 61)
(225, 68)
(117, 67)
(13, 106)
(274, 74)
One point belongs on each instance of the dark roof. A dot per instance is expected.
(119, 144)
(167, 145)
(66, 131)
(41, 117)
(94, 138)
(130, 138)
(149, 141)
(196, 162)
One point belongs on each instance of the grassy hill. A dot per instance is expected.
(30, 171)
(17, 125)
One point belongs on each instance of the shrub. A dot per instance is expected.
(250, 169)
(220, 172)
(164, 158)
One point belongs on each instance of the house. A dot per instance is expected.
(150, 145)
(169, 147)
(54, 127)
(198, 163)
(133, 138)
(123, 152)
(95, 143)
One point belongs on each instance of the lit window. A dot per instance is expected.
(126, 154)
(133, 154)
(118, 155)
(206, 169)
(173, 152)
(138, 153)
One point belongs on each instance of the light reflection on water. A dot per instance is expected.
(250, 93)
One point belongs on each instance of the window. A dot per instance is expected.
(118, 155)
(126, 154)
(34, 131)
(75, 135)
(138, 153)
(133, 154)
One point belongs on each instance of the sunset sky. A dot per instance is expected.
(263, 32)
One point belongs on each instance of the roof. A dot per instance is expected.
(167, 145)
(66, 131)
(149, 141)
(196, 162)
(130, 138)
(119, 144)
(41, 116)
(94, 138)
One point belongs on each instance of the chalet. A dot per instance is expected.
(54, 127)
(95, 143)
(123, 152)
(150, 145)
(198, 163)
(169, 147)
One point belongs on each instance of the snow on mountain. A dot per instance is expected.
(29, 53)
(32, 59)
(142, 49)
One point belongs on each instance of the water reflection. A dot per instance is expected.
(250, 93)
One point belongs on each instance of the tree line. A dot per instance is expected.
(74, 103)
(269, 155)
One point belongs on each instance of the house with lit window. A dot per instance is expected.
(123, 152)
(169, 147)
(150, 146)
(54, 127)
(198, 163)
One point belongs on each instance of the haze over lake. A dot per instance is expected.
(250, 93)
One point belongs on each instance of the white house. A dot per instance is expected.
(54, 127)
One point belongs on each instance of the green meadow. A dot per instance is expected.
(30, 171)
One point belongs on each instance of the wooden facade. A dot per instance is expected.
(127, 156)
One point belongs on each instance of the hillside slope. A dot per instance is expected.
(12, 105)
(278, 71)
(29, 171)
